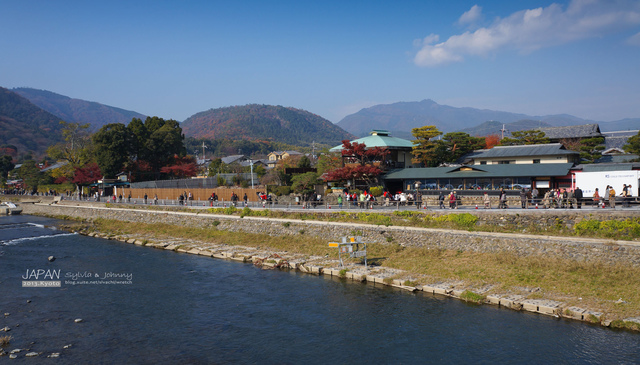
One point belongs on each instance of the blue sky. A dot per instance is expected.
(332, 58)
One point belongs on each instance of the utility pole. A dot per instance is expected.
(503, 130)
(203, 155)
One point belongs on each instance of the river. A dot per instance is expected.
(146, 306)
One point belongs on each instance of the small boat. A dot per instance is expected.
(9, 208)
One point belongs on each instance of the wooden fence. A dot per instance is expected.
(198, 194)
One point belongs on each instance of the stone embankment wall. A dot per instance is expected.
(573, 248)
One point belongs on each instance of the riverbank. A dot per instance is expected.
(584, 279)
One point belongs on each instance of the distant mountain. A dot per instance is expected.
(266, 123)
(76, 110)
(620, 125)
(26, 126)
(400, 118)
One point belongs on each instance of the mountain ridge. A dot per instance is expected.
(264, 122)
(73, 110)
(400, 117)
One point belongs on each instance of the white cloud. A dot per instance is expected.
(532, 29)
(634, 40)
(471, 16)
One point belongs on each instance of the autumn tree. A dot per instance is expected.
(181, 168)
(75, 150)
(87, 174)
(359, 163)
(529, 137)
(491, 141)
(424, 149)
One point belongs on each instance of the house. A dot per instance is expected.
(552, 153)
(400, 149)
(234, 159)
(276, 156)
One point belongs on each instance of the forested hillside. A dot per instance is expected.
(77, 110)
(25, 126)
(264, 123)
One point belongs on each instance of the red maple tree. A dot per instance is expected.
(87, 174)
(359, 163)
(183, 167)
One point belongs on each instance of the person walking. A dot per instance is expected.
(503, 199)
(441, 200)
(340, 201)
(487, 200)
(534, 196)
(523, 198)
(625, 195)
(578, 196)
(606, 194)
(596, 198)
(612, 197)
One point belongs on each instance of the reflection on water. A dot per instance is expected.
(182, 308)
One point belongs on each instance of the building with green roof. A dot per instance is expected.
(481, 177)
(400, 149)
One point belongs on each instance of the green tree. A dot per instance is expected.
(6, 165)
(32, 176)
(76, 148)
(519, 138)
(217, 167)
(424, 149)
(633, 144)
(454, 145)
(304, 162)
(305, 183)
(591, 149)
(137, 137)
(164, 142)
(111, 148)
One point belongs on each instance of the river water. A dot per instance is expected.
(146, 306)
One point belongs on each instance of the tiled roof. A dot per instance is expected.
(482, 171)
(231, 159)
(550, 149)
(572, 131)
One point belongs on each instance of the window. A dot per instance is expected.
(483, 162)
(537, 160)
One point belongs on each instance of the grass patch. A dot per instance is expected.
(469, 296)
(5, 340)
(343, 273)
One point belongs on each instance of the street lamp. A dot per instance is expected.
(251, 164)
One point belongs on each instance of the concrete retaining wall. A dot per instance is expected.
(573, 248)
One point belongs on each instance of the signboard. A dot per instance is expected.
(589, 181)
(353, 246)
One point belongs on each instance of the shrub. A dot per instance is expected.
(464, 220)
(282, 190)
(246, 211)
(343, 273)
(376, 191)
